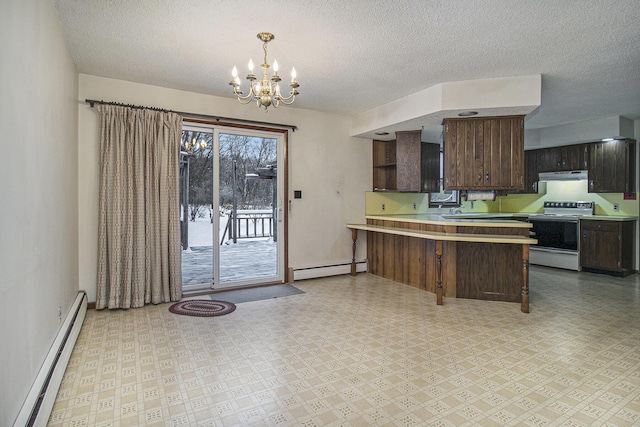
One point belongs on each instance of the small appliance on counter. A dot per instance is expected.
(557, 230)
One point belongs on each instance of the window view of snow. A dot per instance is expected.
(246, 183)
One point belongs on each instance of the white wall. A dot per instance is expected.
(332, 169)
(579, 132)
(38, 192)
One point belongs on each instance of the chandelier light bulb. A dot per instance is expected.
(234, 72)
(293, 74)
(251, 65)
(275, 66)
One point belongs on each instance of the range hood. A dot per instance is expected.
(563, 176)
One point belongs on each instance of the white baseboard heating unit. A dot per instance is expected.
(326, 270)
(39, 402)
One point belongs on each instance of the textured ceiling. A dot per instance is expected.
(353, 55)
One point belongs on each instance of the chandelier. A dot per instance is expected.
(265, 92)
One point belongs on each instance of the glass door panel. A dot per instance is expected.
(250, 206)
(196, 198)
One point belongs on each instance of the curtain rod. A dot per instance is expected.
(92, 103)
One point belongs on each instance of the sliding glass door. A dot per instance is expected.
(233, 234)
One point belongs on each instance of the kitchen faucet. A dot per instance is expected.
(455, 211)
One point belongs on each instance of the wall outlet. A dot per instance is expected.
(383, 206)
(616, 207)
(414, 207)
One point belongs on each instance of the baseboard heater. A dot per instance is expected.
(39, 402)
(326, 270)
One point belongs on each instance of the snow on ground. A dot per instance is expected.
(249, 258)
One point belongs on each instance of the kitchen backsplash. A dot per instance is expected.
(402, 203)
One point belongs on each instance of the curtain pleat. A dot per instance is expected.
(139, 228)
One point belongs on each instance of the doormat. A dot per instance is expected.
(238, 296)
(202, 308)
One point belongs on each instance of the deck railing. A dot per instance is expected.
(248, 224)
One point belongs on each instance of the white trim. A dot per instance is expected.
(327, 270)
(36, 409)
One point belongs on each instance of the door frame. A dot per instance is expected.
(214, 124)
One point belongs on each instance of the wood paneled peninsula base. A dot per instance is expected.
(454, 258)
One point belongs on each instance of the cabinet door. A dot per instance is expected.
(575, 157)
(548, 159)
(479, 154)
(408, 160)
(612, 166)
(513, 159)
(600, 245)
(464, 154)
(417, 164)
(454, 155)
(506, 168)
(430, 165)
(531, 171)
(596, 168)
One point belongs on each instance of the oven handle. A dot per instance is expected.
(556, 219)
(552, 250)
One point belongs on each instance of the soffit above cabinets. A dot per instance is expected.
(426, 109)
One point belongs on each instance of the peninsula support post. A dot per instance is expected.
(439, 272)
(524, 305)
(354, 237)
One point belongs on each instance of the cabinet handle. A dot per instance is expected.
(479, 177)
(487, 179)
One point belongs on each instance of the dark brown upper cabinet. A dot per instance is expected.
(612, 166)
(565, 158)
(484, 153)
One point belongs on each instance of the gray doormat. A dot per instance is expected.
(238, 296)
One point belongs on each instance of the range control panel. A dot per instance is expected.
(569, 208)
(569, 205)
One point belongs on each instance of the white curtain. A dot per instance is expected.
(139, 212)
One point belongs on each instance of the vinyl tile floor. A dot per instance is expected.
(365, 351)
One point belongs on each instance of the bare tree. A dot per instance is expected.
(249, 154)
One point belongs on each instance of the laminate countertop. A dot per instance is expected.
(477, 220)
(485, 219)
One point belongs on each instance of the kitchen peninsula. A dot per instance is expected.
(451, 257)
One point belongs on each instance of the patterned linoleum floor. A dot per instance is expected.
(366, 351)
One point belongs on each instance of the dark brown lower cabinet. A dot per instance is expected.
(607, 246)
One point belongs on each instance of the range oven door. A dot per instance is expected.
(560, 233)
(558, 242)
